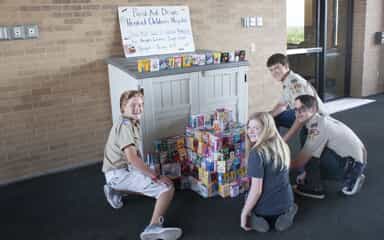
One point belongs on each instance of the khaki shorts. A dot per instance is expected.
(133, 180)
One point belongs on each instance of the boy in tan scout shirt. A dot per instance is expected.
(125, 170)
(331, 151)
(293, 85)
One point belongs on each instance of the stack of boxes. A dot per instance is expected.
(209, 159)
(216, 149)
(170, 153)
(188, 60)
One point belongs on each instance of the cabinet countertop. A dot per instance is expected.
(129, 65)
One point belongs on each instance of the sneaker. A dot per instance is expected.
(354, 187)
(258, 223)
(302, 190)
(284, 221)
(113, 197)
(157, 231)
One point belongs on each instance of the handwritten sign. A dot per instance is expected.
(155, 30)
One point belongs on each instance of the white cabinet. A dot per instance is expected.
(224, 88)
(171, 96)
(168, 102)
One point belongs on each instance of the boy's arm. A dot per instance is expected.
(132, 157)
(279, 108)
(301, 159)
(293, 130)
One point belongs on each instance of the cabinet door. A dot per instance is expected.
(119, 82)
(223, 88)
(167, 105)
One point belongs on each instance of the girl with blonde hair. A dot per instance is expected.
(270, 198)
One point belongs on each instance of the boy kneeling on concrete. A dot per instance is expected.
(331, 151)
(125, 170)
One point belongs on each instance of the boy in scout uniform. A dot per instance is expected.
(125, 170)
(293, 85)
(331, 151)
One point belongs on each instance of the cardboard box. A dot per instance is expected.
(202, 190)
(224, 190)
(155, 64)
(171, 170)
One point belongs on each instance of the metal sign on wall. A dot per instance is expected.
(155, 30)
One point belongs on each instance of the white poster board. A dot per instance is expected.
(155, 30)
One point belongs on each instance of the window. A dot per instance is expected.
(295, 22)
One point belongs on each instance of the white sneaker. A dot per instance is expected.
(154, 232)
(355, 187)
(113, 197)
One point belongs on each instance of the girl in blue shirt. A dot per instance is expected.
(270, 199)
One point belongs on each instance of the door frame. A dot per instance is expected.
(321, 48)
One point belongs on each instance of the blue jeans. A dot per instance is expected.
(331, 166)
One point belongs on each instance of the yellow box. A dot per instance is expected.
(147, 65)
(224, 190)
(207, 178)
(140, 65)
(187, 61)
(171, 62)
(143, 65)
(216, 57)
(232, 176)
(242, 172)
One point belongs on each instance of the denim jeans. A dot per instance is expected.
(331, 166)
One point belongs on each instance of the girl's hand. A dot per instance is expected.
(244, 221)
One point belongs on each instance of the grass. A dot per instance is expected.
(295, 35)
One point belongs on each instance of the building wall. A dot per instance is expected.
(381, 66)
(372, 80)
(54, 97)
(359, 16)
(382, 53)
(367, 57)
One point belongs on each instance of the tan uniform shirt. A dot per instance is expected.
(325, 131)
(293, 86)
(123, 133)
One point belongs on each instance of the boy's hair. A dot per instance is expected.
(276, 59)
(125, 96)
(308, 101)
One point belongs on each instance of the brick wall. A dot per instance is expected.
(359, 16)
(372, 81)
(54, 96)
(367, 57)
(382, 52)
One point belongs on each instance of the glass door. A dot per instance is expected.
(337, 53)
(319, 44)
(303, 46)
